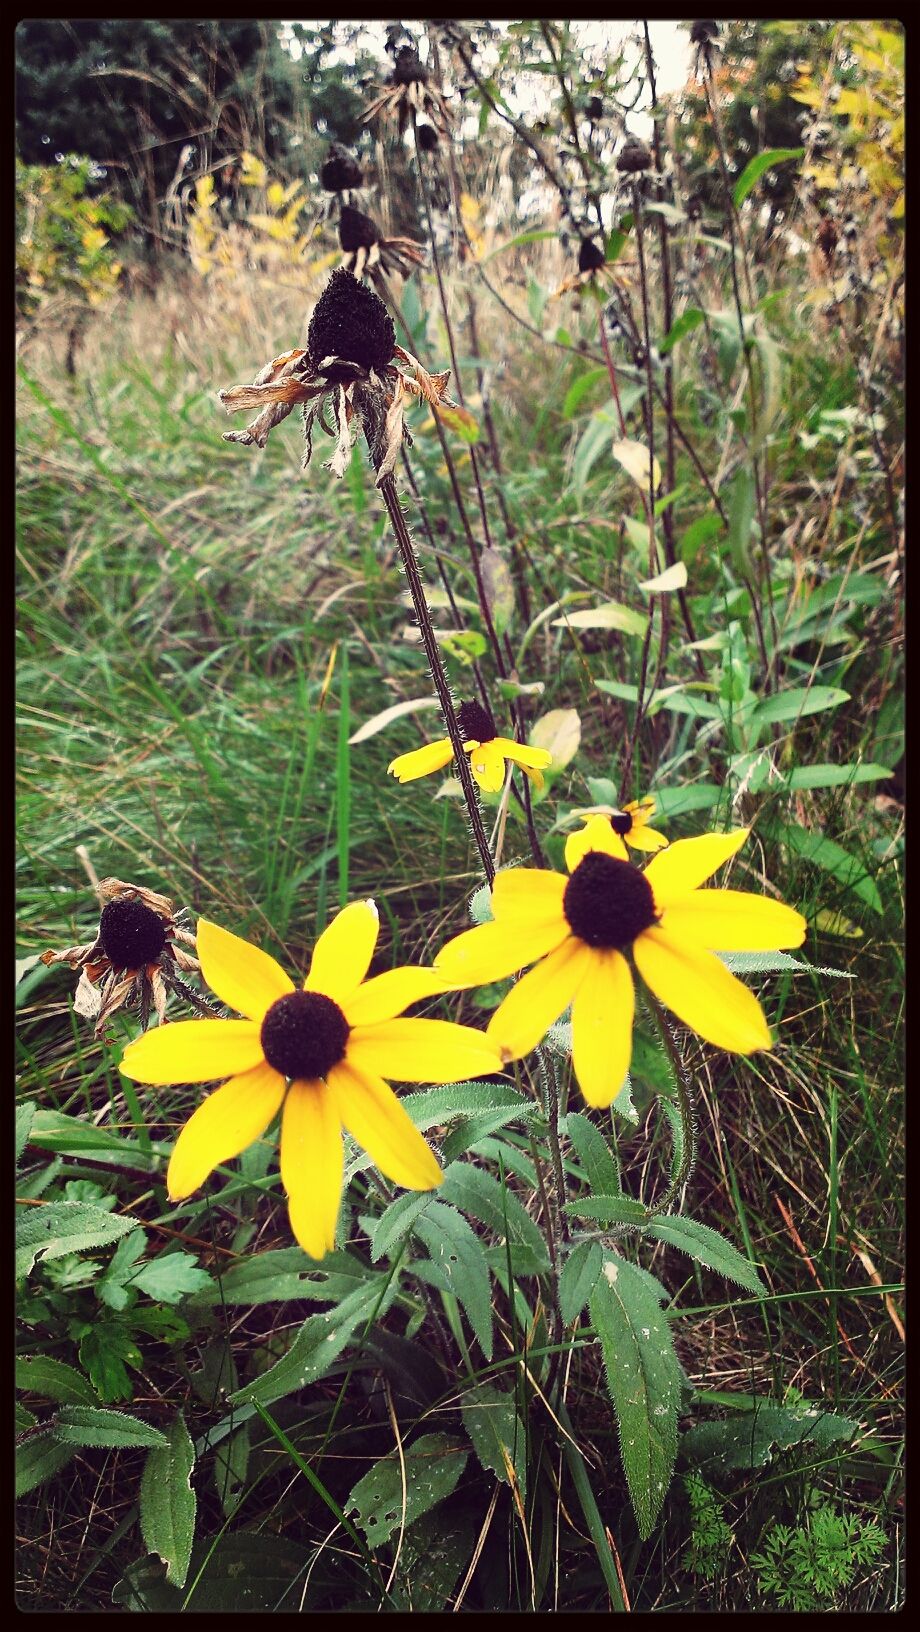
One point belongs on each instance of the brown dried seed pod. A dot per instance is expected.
(351, 321)
(340, 171)
(408, 67)
(356, 230)
(590, 256)
(633, 156)
(704, 30)
(427, 138)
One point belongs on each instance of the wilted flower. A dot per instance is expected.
(340, 171)
(366, 249)
(592, 269)
(134, 957)
(633, 156)
(427, 138)
(409, 92)
(348, 365)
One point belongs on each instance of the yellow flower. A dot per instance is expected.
(628, 824)
(579, 929)
(321, 1051)
(488, 753)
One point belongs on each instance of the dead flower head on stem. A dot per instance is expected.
(366, 251)
(349, 371)
(134, 958)
(408, 92)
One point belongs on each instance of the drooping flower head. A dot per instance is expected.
(349, 365)
(408, 92)
(593, 272)
(366, 249)
(318, 1053)
(340, 171)
(630, 825)
(134, 958)
(487, 750)
(584, 928)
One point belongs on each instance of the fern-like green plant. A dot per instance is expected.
(710, 1536)
(809, 1567)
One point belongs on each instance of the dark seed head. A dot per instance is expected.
(694, 207)
(621, 823)
(427, 138)
(304, 1035)
(132, 935)
(608, 902)
(408, 68)
(590, 256)
(476, 723)
(594, 108)
(340, 171)
(634, 156)
(704, 30)
(351, 321)
(356, 230)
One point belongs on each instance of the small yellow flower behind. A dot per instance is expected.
(577, 931)
(629, 825)
(488, 753)
(318, 1054)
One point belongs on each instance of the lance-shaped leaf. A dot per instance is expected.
(168, 1502)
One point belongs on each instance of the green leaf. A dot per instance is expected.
(643, 1378)
(168, 1504)
(433, 1468)
(316, 1346)
(37, 1459)
(773, 963)
(579, 389)
(800, 700)
(53, 1380)
(847, 869)
(24, 1117)
(699, 533)
(579, 1277)
(835, 776)
(750, 1439)
(459, 1263)
(756, 166)
(276, 1277)
(111, 1288)
(93, 1425)
(432, 1557)
(67, 1135)
(708, 1247)
(594, 1154)
(684, 325)
(610, 615)
(677, 801)
(494, 1427)
(104, 1349)
(480, 1193)
(60, 1227)
(395, 1223)
(254, 1572)
(678, 699)
(609, 1209)
(171, 1278)
(435, 1106)
(741, 508)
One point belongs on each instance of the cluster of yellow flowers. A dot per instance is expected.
(320, 1052)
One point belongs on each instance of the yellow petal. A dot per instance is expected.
(422, 1051)
(494, 950)
(602, 1022)
(342, 954)
(597, 834)
(388, 994)
(687, 863)
(373, 1115)
(536, 777)
(243, 977)
(535, 759)
(224, 1124)
(527, 894)
(645, 838)
(488, 766)
(641, 809)
(422, 761)
(312, 1164)
(702, 992)
(193, 1051)
(733, 921)
(523, 1019)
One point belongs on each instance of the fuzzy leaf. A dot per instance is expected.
(62, 1227)
(459, 1265)
(317, 1345)
(433, 1467)
(168, 1503)
(93, 1425)
(708, 1247)
(494, 1427)
(53, 1380)
(579, 1277)
(594, 1154)
(38, 1459)
(24, 1117)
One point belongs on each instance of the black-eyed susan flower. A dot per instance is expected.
(134, 958)
(317, 1053)
(367, 251)
(581, 930)
(407, 92)
(629, 825)
(348, 366)
(487, 751)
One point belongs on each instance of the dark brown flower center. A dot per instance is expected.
(131, 934)
(408, 68)
(608, 902)
(351, 321)
(304, 1035)
(340, 171)
(621, 823)
(476, 723)
(590, 256)
(356, 230)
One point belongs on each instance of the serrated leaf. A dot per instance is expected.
(708, 1247)
(317, 1345)
(775, 963)
(643, 1378)
(495, 1430)
(171, 1277)
(379, 722)
(609, 615)
(53, 1380)
(396, 1222)
(594, 1154)
(761, 162)
(634, 458)
(433, 1468)
(104, 1349)
(847, 869)
(608, 1209)
(111, 1288)
(459, 1262)
(168, 1504)
(665, 582)
(58, 1228)
(38, 1459)
(24, 1117)
(94, 1425)
(579, 1277)
(797, 702)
